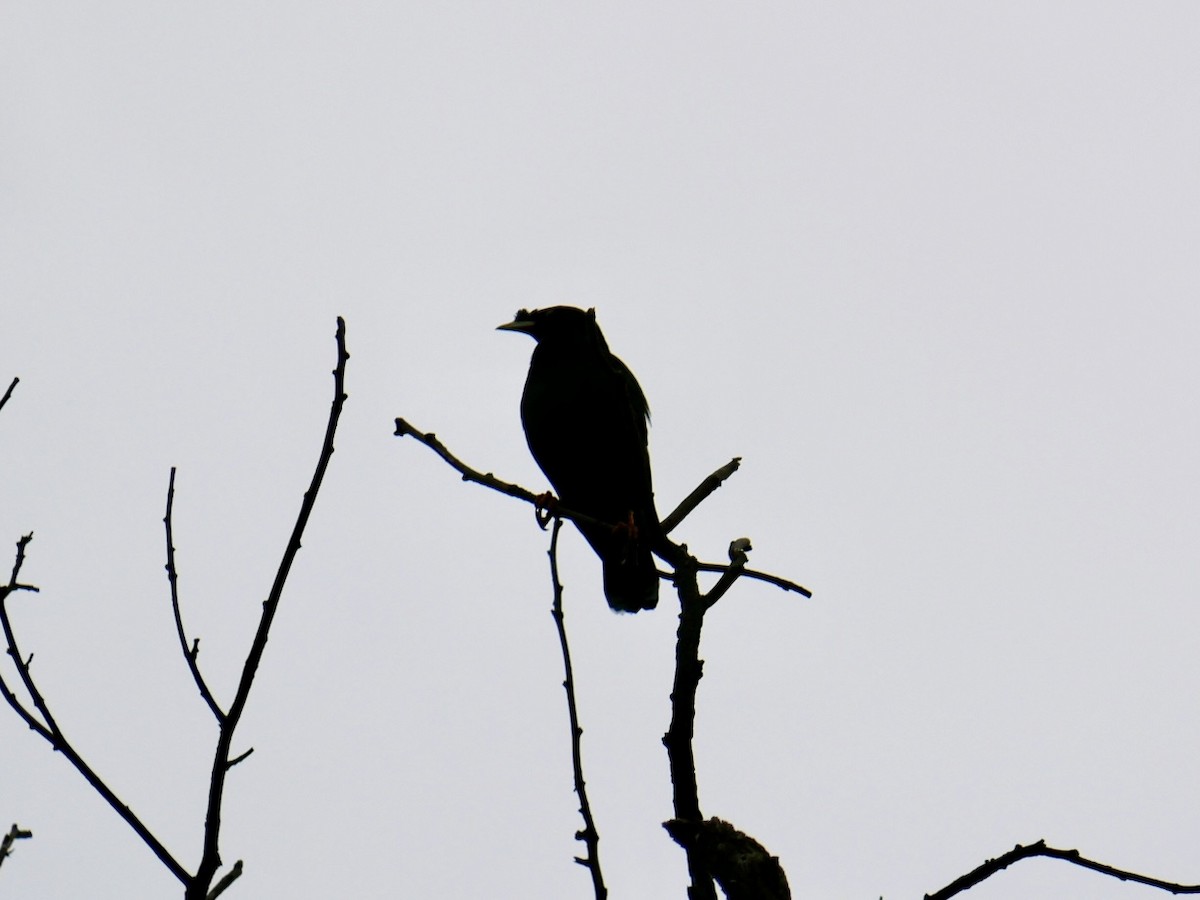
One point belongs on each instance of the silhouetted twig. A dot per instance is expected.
(588, 834)
(699, 495)
(1039, 848)
(189, 654)
(12, 384)
(430, 440)
(211, 859)
(197, 886)
(16, 833)
(48, 728)
(693, 605)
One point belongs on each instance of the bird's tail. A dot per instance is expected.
(630, 575)
(631, 580)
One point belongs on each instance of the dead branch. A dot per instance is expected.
(588, 834)
(16, 833)
(210, 860)
(42, 721)
(1039, 848)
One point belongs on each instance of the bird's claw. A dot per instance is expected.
(544, 506)
(629, 527)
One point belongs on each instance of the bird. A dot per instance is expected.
(586, 422)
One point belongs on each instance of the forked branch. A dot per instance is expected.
(688, 666)
(198, 886)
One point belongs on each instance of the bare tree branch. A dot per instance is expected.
(196, 887)
(688, 666)
(173, 578)
(12, 385)
(1039, 848)
(589, 835)
(16, 833)
(48, 727)
(681, 758)
(226, 880)
(665, 548)
(700, 494)
(210, 860)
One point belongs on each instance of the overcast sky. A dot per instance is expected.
(930, 269)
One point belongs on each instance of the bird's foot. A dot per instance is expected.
(628, 528)
(544, 508)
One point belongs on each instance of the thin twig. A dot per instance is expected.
(8, 393)
(210, 860)
(700, 494)
(755, 574)
(173, 578)
(16, 833)
(48, 728)
(1039, 848)
(430, 440)
(589, 835)
(226, 880)
(737, 566)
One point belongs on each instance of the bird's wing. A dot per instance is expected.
(635, 397)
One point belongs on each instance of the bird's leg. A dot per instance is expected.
(544, 506)
(628, 527)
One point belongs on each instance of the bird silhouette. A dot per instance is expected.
(585, 420)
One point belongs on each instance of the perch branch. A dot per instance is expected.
(688, 665)
(666, 548)
(210, 859)
(1039, 848)
(588, 834)
(173, 578)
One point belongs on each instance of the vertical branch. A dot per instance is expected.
(173, 578)
(211, 857)
(589, 835)
(689, 669)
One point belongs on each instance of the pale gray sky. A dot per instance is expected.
(929, 268)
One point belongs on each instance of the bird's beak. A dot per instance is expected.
(518, 324)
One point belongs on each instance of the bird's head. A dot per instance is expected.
(560, 324)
